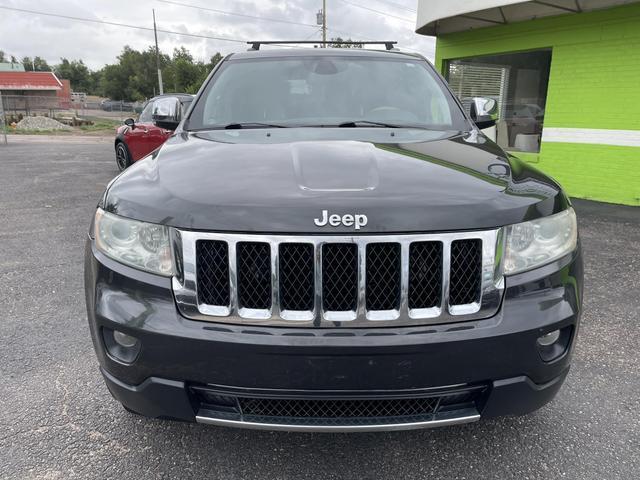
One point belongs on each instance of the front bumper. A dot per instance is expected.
(494, 364)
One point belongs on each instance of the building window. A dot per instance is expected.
(518, 82)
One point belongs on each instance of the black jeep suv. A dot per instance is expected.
(329, 242)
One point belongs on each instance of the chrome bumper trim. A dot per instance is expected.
(391, 427)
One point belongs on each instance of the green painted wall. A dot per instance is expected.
(594, 83)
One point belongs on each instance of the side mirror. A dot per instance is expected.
(484, 112)
(166, 113)
(130, 122)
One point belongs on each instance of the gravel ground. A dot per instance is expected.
(57, 419)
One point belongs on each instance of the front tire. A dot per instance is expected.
(123, 158)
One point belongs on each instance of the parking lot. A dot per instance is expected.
(58, 421)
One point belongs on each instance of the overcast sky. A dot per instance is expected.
(28, 34)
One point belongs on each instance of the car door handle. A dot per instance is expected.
(145, 131)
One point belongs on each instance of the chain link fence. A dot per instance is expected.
(25, 114)
(3, 123)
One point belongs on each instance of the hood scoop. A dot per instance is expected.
(324, 167)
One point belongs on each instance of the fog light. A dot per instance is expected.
(124, 340)
(121, 346)
(549, 338)
(554, 344)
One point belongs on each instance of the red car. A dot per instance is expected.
(138, 138)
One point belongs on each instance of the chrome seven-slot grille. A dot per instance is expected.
(339, 280)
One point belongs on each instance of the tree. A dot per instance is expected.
(133, 76)
(204, 71)
(113, 82)
(183, 72)
(38, 64)
(76, 72)
(336, 43)
(2, 57)
(95, 78)
(41, 64)
(217, 58)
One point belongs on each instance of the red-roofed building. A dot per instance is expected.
(33, 90)
(13, 82)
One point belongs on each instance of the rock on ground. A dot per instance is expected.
(41, 123)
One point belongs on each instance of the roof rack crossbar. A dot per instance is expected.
(255, 44)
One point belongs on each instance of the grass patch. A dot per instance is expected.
(101, 125)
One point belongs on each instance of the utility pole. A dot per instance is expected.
(324, 23)
(155, 34)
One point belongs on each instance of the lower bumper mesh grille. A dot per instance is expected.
(346, 412)
(337, 408)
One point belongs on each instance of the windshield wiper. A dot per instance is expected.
(367, 123)
(238, 125)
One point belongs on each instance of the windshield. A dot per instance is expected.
(326, 91)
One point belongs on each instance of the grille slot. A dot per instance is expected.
(213, 272)
(296, 273)
(465, 273)
(383, 276)
(253, 262)
(339, 277)
(425, 274)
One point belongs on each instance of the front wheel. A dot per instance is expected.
(123, 159)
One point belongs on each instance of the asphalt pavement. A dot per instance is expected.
(58, 421)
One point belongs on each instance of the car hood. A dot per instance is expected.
(200, 182)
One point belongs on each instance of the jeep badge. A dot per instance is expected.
(335, 220)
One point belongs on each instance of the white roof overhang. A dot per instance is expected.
(436, 17)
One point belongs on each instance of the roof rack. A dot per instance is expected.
(255, 44)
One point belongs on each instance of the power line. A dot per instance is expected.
(149, 29)
(224, 12)
(318, 30)
(118, 24)
(125, 25)
(377, 11)
(397, 5)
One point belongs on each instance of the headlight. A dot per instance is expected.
(538, 242)
(141, 245)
